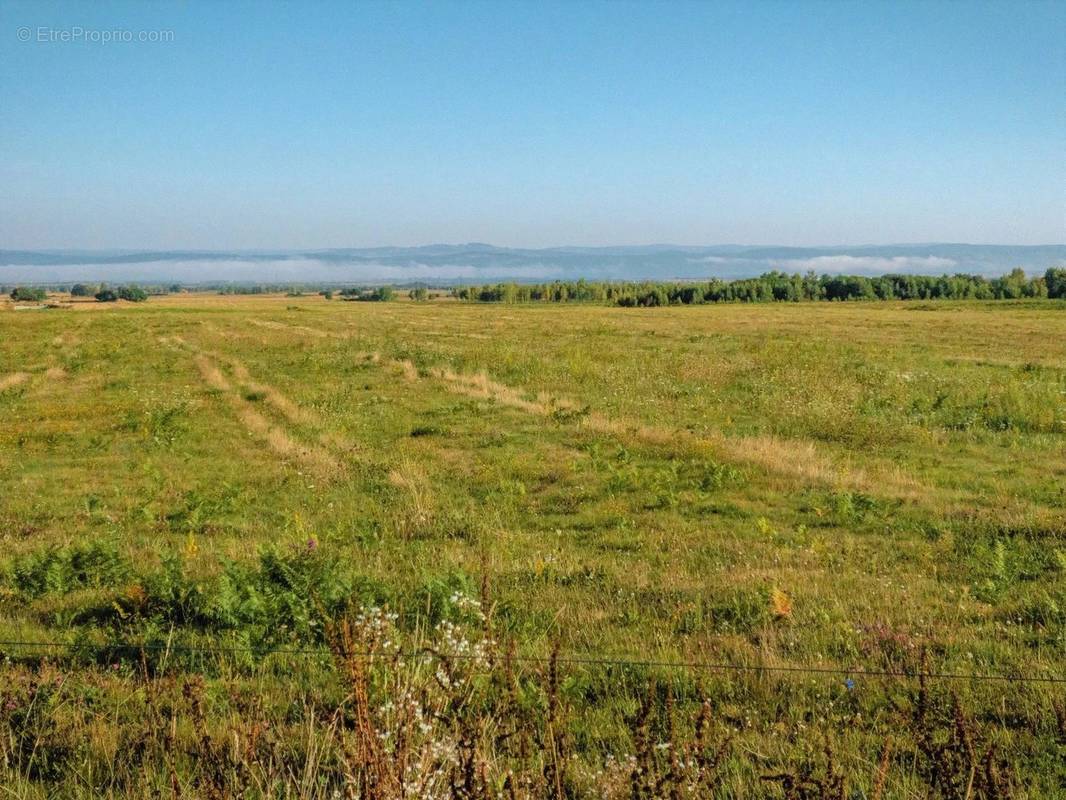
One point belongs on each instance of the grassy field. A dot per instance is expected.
(856, 487)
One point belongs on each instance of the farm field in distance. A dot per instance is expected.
(192, 484)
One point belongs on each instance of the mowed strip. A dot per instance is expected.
(318, 460)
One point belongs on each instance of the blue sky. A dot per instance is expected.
(531, 124)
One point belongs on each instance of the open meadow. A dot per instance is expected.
(290, 546)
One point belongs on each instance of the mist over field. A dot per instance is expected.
(481, 262)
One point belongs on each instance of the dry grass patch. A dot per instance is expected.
(13, 379)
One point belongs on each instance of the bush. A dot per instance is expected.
(381, 294)
(81, 290)
(132, 293)
(28, 294)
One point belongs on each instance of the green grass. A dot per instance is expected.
(835, 485)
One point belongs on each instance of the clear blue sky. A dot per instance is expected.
(320, 125)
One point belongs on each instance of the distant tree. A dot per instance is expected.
(133, 293)
(381, 294)
(419, 293)
(106, 295)
(81, 290)
(1055, 279)
(175, 288)
(1010, 286)
(28, 294)
(327, 293)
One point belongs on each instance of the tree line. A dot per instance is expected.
(103, 293)
(768, 287)
(777, 287)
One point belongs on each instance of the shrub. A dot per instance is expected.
(81, 290)
(381, 294)
(106, 295)
(132, 293)
(28, 294)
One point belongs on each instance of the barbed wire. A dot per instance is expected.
(574, 660)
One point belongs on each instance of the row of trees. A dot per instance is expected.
(103, 293)
(299, 290)
(769, 287)
(778, 287)
(132, 293)
(378, 295)
(368, 293)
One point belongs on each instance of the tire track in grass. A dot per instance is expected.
(788, 458)
(319, 461)
(317, 333)
(293, 412)
(778, 456)
(480, 386)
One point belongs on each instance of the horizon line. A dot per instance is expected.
(514, 247)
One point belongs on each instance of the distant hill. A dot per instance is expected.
(480, 263)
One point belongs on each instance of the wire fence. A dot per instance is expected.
(571, 660)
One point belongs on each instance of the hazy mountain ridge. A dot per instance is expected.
(478, 262)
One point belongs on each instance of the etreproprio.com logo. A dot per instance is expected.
(44, 34)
